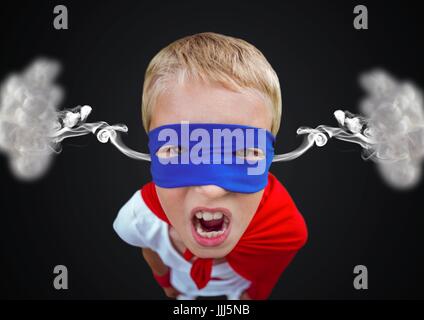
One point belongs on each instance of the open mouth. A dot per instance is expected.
(210, 226)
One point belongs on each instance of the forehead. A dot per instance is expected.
(200, 102)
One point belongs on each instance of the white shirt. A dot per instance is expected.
(137, 225)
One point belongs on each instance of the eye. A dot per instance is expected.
(169, 151)
(251, 154)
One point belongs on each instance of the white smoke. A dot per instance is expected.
(28, 115)
(396, 115)
(72, 124)
(31, 127)
(390, 131)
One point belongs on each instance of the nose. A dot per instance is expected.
(211, 191)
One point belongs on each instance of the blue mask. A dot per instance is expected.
(234, 157)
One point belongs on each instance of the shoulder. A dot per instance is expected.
(130, 211)
(292, 226)
(135, 222)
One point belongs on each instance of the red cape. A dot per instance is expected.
(276, 232)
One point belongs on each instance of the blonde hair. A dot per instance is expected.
(231, 62)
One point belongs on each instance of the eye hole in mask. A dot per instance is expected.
(169, 151)
(250, 154)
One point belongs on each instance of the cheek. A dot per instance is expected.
(247, 206)
(172, 202)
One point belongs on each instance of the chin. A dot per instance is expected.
(211, 253)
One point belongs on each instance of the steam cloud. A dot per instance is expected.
(396, 115)
(391, 132)
(27, 118)
(390, 129)
(31, 127)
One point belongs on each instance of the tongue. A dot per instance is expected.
(212, 225)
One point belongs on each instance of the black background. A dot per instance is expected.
(352, 216)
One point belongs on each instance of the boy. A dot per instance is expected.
(212, 229)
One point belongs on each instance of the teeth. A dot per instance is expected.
(207, 216)
(226, 223)
(211, 234)
(217, 216)
(199, 229)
